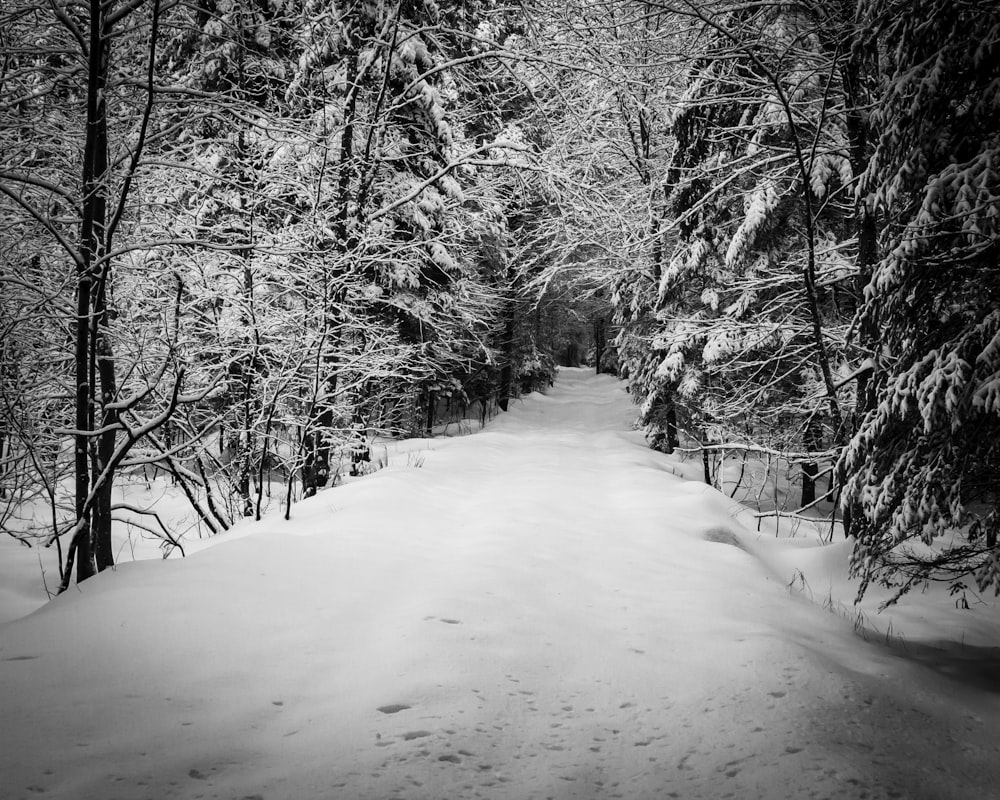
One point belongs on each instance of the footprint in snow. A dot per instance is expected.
(393, 708)
(723, 536)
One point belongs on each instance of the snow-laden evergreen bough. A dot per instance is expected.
(923, 467)
(757, 282)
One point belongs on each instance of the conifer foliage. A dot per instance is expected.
(924, 463)
(754, 258)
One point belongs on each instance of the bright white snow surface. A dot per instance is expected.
(540, 610)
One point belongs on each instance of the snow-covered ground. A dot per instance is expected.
(545, 609)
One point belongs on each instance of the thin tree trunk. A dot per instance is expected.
(265, 459)
(671, 417)
(860, 138)
(507, 371)
(599, 343)
(811, 442)
(316, 467)
(92, 231)
(102, 354)
(103, 553)
(4, 451)
(431, 404)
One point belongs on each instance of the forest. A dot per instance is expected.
(240, 241)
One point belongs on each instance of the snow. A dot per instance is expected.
(22, 589)
(545, 608)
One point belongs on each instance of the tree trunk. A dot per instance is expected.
(811, 442)
(251, 401)
(4, 452)
(101, 353)
(860, 138)
(600, 337)
(809, 472)
(316, 470)
(671, 418)
(360, 454)
(316, 467)
(507, 371)
(103, 552)
(430, 407)
(91, 270)
(245, 456)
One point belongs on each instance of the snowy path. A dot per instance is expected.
(540, 610)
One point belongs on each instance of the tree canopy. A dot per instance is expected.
(249, 238)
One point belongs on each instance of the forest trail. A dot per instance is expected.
(544, 609)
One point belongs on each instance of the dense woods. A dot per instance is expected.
(242, 241)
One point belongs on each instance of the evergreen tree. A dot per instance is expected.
(753, 279)
(924, 464)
